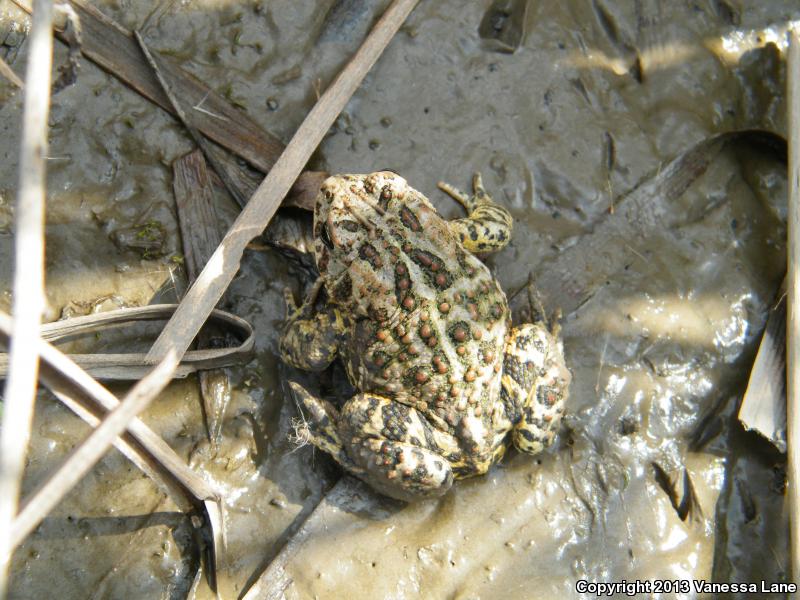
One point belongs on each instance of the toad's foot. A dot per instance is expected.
(487, 227)
(535, 386)
(378, 440)
(318, 425)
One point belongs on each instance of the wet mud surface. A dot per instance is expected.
(652, 476)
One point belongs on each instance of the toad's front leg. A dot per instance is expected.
(386, 444)
(311, 340)
(487, 227)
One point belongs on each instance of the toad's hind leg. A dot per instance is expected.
(393, 445)
(319, 426)
(487, 227)
(535, 386)
(387, 444)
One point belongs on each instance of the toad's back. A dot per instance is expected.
(428, 319)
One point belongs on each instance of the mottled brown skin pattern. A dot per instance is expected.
(425, 334)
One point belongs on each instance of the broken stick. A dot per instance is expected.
(194, 198)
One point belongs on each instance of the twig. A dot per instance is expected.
(793, 300)
(6, 72)
(113, 48)
(84, 457)
(28, 303)
(146, 449)
(236, 179)
(224, 263)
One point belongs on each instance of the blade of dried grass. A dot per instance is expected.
(6, 72)
(224, 263)
(131, 366)
(24, 5)
(113, 48)
(200, 235)
(28, 302)
(90, 400)
(198, 137)
(763, 407)
(793, 301)
(87, 454)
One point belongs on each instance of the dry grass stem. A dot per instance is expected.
(28, 302)
(198, 137)
(793, 301)
(224, 263)
(88, 398)
(131, 366)
(6, 72)
(763, 406)
(200, 235)
(24, 5)
(87, 454)
(147, 450)
(114, 49)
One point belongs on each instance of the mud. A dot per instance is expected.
(593, 99)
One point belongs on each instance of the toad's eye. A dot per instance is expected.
(350, 226)
(325, 237)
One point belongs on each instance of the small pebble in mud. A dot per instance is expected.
(272, 104)
(278, 503)
(499, 20)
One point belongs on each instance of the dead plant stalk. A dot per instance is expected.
(84, 395)
(6, 72)
(28, 302)
(84, 457)
(793, 322)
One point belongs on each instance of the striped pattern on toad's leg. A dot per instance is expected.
(488, 225)
(395, 447)
(534, 386)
